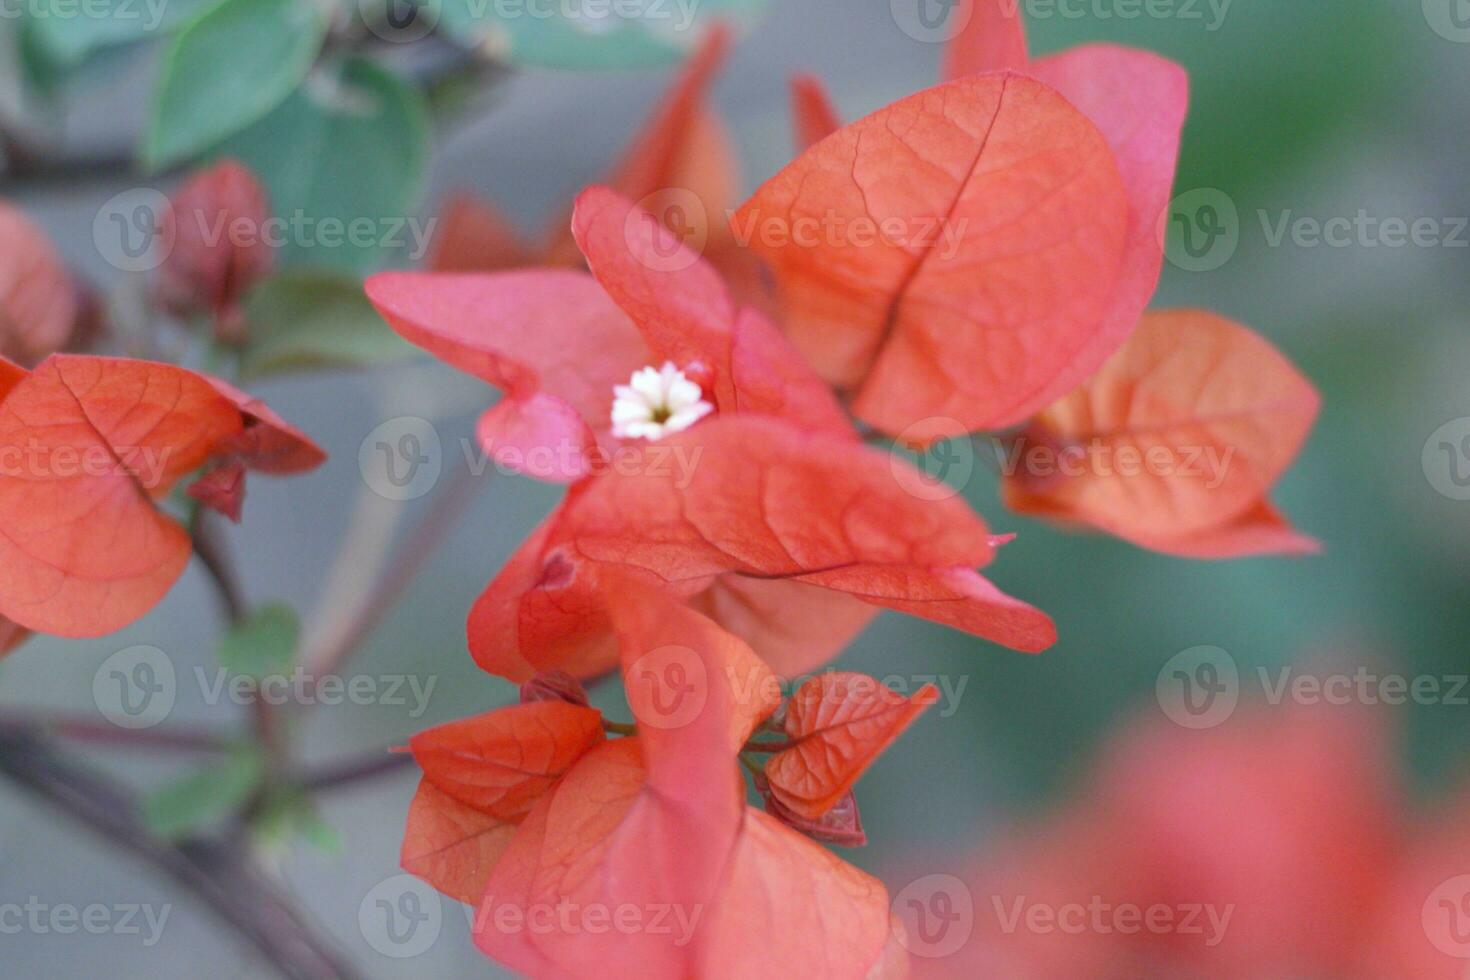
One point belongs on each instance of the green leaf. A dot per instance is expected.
(304, 319)
(67, 38)
(264, 644)
(349, 146)
(228, 69)
(203, 797)
(288, 814)
(636, 34)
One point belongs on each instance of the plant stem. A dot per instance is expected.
(219, 874)
(85, 730)
(379, 763)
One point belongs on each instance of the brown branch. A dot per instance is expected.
(219, 874)
(381, 763)
(86, 730)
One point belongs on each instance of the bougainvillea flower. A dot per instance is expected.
(949, 256)
(88, 444)
(838, 724)
(682, 157)
(644, 858)
(1138, 102)
(788, 537)
(214, 228)
(38, 301)
(560, 342)
(1277, 860)
(1174, 444)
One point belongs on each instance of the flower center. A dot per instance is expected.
(656, 402)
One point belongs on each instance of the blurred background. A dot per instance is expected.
(1300, 111)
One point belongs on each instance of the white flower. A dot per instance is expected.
(656, 402)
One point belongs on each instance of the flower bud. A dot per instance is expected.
(842, 825)
(216, 222)
(38, 302)
(554, 685)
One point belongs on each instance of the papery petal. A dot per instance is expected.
(686, 315)
(268, 443)
(841, 723)
(646, 823)
(948, 256)
(815, 914)
(12, 635)
(751, 497)
(550, 339)
(993, 38)
(1211, 415)
(83, 550)
(794, 626)
(1138, 100)
(473, 236)
(452, 846)
(502, 761)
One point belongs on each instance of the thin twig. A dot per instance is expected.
(86, 730)
(218, 873)
(380, 763)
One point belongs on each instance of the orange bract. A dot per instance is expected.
(949, 256)
(451, 845)
(840, 723)
(1175, 443)
(501, 762)
(742, 499)
(88, 443)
